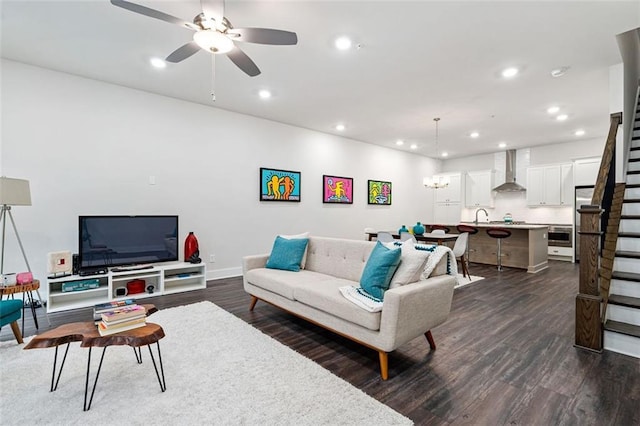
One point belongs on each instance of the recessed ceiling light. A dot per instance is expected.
(559, 72)
(445, 154)
(343, 43)
(399, 142)
(579, 132)
(553, 109)
(340, 127)
(474, 134)
(562, 117)
(510, 72)
(414, 146)
(264, 94)
(502, 145)
(158, 63)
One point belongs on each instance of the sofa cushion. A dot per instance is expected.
(287, 254)
(284, 282)
(380, 267)
(338, 257)
(412, 263)
(304, 235)
(327, 297)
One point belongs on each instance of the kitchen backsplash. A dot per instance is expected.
(516, 204)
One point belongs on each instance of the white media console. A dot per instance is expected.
(166, 278)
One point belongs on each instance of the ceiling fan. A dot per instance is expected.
(215, 34)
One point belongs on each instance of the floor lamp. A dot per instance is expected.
(13, 192)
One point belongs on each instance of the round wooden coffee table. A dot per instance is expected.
(87, 334)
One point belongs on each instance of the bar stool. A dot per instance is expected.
(471, 230)
(499, 234)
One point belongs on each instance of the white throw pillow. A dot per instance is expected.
(295, 237)
(412, 263)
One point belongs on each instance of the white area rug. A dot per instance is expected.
(219, 370)
(463, 281)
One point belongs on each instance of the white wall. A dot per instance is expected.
(90, 148)
(516, 202)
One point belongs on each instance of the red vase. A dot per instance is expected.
(191, 251)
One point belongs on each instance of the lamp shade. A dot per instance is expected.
(14, 192)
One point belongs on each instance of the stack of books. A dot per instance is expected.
(122, 318)
(101, 308)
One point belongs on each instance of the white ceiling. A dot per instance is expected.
(418, 60)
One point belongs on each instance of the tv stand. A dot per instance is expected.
(165, 278)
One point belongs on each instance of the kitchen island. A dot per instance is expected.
(526, 248)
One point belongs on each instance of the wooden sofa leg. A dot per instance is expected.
(254, 300)
(16, 331)
(384, 364)
(432, 343)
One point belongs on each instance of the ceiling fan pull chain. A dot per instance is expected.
(213, 78)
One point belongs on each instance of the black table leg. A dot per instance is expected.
(163, 384)
(86, 383)
(53, 373)
(138, 354)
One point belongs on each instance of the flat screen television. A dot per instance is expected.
(126, 240)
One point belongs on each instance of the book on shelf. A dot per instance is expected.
(122, 313)
(106, 330)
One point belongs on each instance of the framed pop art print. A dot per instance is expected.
(379, 192)
(279, 185)
(337, 189)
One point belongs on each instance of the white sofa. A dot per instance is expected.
(312, 293)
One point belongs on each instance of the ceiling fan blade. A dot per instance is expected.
(213, 9)
(243, 62)
(264, 36)
(183, 52)
(143, 10)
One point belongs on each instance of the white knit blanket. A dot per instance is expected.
(359, 297)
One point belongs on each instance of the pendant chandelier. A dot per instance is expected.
(436, 182)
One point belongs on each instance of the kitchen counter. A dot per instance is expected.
(526, 248)
(505, 225)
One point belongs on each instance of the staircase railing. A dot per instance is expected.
(593, 218)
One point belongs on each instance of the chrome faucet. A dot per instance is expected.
(481, 210)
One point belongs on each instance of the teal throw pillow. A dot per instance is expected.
(380, 267)
(287, 254)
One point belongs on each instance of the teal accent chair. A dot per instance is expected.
(10, 313)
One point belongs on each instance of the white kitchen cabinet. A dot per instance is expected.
(479, 188)
(549, 186)
(566, 185)
(586, 171)
(452, 193)
(447, 213)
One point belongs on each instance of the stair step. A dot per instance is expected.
(629, 235)
(630, 217)
(633, 172)
(634, 160)
(625, 276)
(628, 254)
(623, 328)
(628, 301)
(631, 200)
(633, 185)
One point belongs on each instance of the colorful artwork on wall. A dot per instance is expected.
(379, 192)
(337, 189)
(279, 185)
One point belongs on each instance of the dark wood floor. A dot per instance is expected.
(505, 356)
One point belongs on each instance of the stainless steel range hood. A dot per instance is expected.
(510, 184)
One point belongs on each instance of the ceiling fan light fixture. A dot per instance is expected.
(213, 41)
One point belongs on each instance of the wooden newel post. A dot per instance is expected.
(588, 334)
